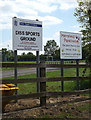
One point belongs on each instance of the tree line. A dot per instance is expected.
(51, 52)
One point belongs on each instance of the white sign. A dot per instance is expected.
(27, 34)
(70, 45)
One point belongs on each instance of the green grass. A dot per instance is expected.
(25, 88)
(86, 107)
(63, 114)
(48, 62)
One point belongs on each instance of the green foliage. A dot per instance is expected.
(83, 15)
(7, 55)
(27, 57)
(50, 48)
(85, 107)
(84, 84)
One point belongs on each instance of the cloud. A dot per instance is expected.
(51, 20)
(77, 31)
(46, 20)
(67, 4)
(32, 9)
(27, 9)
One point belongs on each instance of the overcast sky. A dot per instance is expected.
(56, 15)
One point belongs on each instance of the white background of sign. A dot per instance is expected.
(70, 45)
(24, 41)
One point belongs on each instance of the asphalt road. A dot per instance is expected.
(10, 73)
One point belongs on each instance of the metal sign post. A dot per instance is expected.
(62, 82)
(15, 69)
(27, 35)
(77, 74)
(70, 48)
(37, 69)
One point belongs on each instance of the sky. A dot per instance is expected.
(56, 16)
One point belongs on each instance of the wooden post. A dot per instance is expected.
(42, 86)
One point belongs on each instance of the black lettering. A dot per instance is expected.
(28, 38)
(32, 33)
(19, 32)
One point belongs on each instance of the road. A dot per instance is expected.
(10, 73)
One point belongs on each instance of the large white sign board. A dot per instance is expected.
(70, 45)
(27, 34)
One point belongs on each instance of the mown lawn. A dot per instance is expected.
(48, 62)
(25, 88)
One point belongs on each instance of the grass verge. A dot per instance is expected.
(25, 88)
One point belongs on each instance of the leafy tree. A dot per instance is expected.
(10, 55)
(83, 15)
(26, 57)
(84, 18)
(50, 48)
(4, 54)
(7, 55)
(57, 54)
(23, 53)
(42, 57)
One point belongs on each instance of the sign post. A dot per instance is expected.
(70, 48)
(77, 74)
(15, 69)
(37, 69)
(27, 35)
(62, 74)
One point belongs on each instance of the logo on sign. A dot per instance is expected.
(15, 23)
(78, 39)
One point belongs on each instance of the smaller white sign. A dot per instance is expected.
(27, 34)
(70, 45)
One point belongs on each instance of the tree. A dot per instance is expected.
(57, 54)
(50, 48)
(7, 55)
(27, 57)
(83, 15)
(84, 18)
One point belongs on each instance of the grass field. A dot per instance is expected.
(48, 62)
(25, 88)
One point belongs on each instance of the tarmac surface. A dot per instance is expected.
(25, 71)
